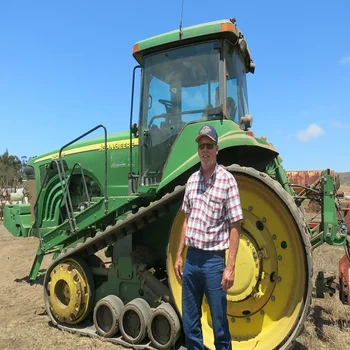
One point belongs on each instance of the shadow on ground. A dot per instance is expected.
(299, 346)
(38, 281)
(319, 320)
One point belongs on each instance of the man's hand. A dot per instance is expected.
(179, 261)
(228, 278)
(179, 266)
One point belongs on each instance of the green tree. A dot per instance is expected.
(10, 166)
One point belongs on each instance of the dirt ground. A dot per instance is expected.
(25, 325)
(328, 325)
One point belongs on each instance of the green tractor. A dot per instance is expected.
(109, 208)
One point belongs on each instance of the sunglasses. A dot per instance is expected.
(206, 145)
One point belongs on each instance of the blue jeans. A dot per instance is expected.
(202, 275)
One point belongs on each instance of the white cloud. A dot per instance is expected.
(312, 132)
(345, 60)
(339, 124)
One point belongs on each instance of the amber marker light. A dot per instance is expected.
(227, 27)
(136, 48)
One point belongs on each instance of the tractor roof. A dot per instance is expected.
(211, 30)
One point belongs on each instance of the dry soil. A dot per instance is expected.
(25, 325)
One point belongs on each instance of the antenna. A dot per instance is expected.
(182, 12)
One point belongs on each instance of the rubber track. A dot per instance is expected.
(147, 215)
(131, 224)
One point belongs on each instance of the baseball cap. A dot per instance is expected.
(207, 130)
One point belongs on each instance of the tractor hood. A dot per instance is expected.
(235, 147)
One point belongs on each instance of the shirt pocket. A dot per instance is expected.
(215, 210)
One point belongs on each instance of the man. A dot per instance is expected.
(212, 225)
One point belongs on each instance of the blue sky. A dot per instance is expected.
(66, 66)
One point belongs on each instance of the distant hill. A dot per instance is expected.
(344, 178)
(344, 181)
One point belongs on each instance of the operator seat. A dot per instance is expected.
(231, 108)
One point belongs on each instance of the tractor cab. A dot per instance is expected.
(198, 76)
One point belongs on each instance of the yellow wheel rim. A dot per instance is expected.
(271, 293)
(70, 291)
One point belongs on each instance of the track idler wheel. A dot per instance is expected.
(134, 319)
(164, 327)
(69, 291)
(106, 315)
(270, 298)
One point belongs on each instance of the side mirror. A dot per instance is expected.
(246, 121)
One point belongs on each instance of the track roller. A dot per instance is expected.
(106, 315)
(164, 327)
(134, 319)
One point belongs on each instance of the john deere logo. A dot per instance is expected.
(205, 130)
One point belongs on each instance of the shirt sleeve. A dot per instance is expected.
(233, 202)
(186, 203)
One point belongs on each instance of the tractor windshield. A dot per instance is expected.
(179, 86)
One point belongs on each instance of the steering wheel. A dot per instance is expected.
(167, 104)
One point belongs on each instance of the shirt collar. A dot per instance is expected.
(212, 176)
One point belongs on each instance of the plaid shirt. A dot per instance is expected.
(210, 209)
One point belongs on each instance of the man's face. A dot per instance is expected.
(207, 151)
